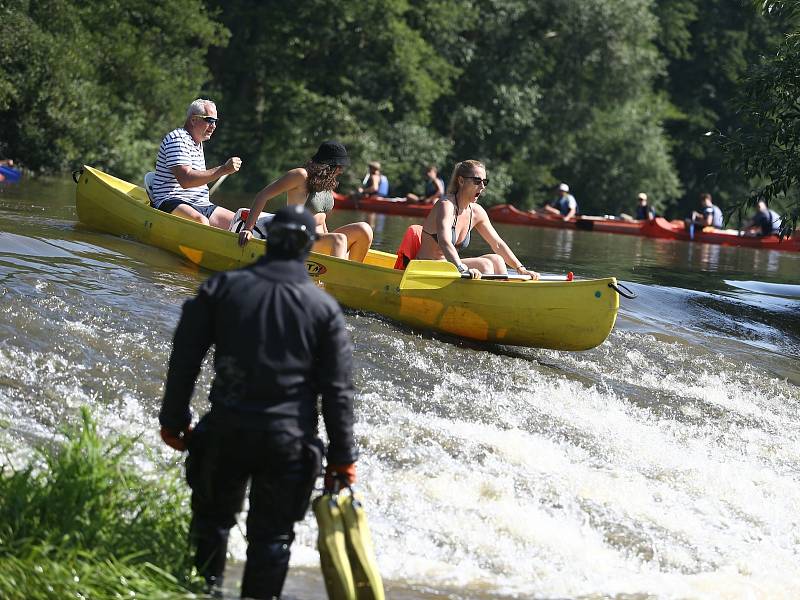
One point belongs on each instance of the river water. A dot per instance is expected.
(662, 464)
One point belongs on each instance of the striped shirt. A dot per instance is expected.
(178, 148)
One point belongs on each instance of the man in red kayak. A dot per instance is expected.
(434, 188)
(709, 214)
(765, 222)
(375, 182)
(564, 205)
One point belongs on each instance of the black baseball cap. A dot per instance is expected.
(331, 152)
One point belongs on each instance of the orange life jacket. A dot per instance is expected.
(409, 247)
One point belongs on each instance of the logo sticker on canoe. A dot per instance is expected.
(315, 269)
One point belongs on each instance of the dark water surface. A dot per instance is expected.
(663, 463)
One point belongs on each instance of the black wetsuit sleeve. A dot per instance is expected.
(334, 376)
(193, 337)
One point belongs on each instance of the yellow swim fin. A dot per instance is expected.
(332, 547)
(360, 551)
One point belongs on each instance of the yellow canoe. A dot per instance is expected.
(563, 315)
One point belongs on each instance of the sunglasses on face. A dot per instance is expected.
(478, 181)
(207, 119)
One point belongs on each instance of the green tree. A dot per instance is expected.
(765, 149)
(295, 74)
(98, 83)
(540, 83)
(709, 46)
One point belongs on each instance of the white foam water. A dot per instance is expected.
(662, 464)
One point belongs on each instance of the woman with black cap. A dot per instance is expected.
(312, 185)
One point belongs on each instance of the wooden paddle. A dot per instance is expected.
(217, 184)
(436, 274)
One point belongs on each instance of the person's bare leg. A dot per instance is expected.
(187, 212)
(333, 244)
(221, 217)
(483, 264)
(359, 239)
(488, 264)
(498, 264)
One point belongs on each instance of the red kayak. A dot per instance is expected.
(391, 206)
(657, 228)
(505, 213)
(676, 230)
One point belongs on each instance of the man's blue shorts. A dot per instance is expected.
(171, 204)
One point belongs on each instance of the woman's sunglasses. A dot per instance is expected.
(207, 119)
(478, 180)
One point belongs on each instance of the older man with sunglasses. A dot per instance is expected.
(180, 185)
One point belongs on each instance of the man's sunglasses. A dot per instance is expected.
(477, 180)
(207, 119)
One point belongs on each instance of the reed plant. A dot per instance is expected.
(81, 521)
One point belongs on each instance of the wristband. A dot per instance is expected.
(521, 268)
(462, 268)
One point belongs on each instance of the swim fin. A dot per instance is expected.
(332, 548)
(360, 551)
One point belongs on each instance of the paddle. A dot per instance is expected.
(217, 184)
(517, 277)
(436, 274)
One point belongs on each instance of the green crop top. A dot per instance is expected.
(320, 202)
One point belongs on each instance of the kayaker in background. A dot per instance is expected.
(644, 212)
(312, 186)
(434, 188)
(765, 222)
(280, 344)
(375, 182)
(181, 178)
(448, 227)
(709, 215)
(564, 205)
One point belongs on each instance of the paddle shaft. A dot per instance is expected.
(217, 184)
(515, 277)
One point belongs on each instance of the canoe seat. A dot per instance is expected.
(148, 183)
(259, 229)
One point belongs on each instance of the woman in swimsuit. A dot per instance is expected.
(448, 227)
(312, 186)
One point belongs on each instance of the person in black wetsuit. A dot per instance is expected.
(280, 343)
(447, 228)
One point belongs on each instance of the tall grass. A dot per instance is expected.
(80, 521)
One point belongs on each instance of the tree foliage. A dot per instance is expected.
(612, 96)
(98, 82)
(709, 46)
(566, 67)
(765, 148)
